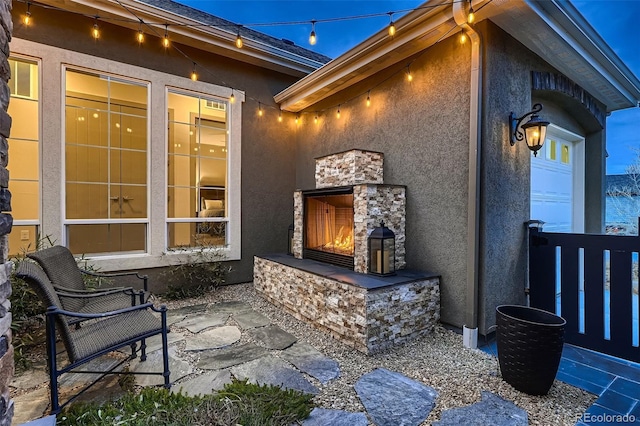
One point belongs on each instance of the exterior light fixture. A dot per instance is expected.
(95, 32)
(392, 26)
(232, 98)
(533, 131)
(27, 16)
(165, 39)
(280, 117)
(239, 42)
(194, 75)
(369, 98)
(471, 17)
(312, 37)
(382, 251)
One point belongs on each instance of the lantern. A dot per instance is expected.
(382, 251)
(290, 240)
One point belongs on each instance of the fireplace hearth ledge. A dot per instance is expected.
(370, 313)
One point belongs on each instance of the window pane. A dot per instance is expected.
(89, 201)
(182, 235)
(565, 154)
(107, 238)
(128, 166)
(24, 147)
(183, 202)
(86, 164)
(131, 203)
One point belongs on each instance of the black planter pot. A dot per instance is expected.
(529, 347)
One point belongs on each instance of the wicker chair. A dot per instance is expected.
(65, 275)
(105, 332)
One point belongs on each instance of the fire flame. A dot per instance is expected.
(343, 242)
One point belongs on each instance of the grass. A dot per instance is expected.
(239, 403)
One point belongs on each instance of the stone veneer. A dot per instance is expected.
(349, 168)
(380, 313)
(6, 220)
(371, 205)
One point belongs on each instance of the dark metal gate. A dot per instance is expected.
(592, 282)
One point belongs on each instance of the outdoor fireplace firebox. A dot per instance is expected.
(328, 226)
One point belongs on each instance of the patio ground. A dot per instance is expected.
(437, 361)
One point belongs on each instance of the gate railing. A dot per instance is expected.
(592, 282)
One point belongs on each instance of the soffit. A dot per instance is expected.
(211, 39)
(552, 29)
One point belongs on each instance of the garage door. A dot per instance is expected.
(557, 182)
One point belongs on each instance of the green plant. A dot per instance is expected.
(239, 403)
(195, 270)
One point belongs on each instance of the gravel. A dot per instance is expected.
(438, 360)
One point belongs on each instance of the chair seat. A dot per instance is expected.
(113, 332)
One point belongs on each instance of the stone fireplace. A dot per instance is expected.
(349, 201)
(325, 282)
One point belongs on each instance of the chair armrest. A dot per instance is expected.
(94, 294)
(110, 290)
(54, 310)
(144, 278)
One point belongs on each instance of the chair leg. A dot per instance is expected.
(133, 351)
(51, 358)
(143, 350)
(165, 348)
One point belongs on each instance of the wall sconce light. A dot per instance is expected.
(533, 131)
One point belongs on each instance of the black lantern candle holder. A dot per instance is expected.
(382, 251)
(290, 240)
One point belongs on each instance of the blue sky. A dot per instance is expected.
(614, 20)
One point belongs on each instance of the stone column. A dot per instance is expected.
(6, 220)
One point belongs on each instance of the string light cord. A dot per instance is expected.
(154, 26)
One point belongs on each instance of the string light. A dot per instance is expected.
(312, 36)
(280, 116)
(27, 16)
(96, 30)
(239, 42)
(232, 98)
(194, 76)
(392, 26)
(369, 98)
(409, 75)
(463, 38)
(297, 118)
(140, 37)
(338, 112)
(471, 16)
(315, 119)
(165, 39)
(260, 113)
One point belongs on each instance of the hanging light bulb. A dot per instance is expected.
(194, 76)
(232, 98)
(369, 98)
(140, 37)
(165, 39)
(280, 117)
(463, 38)
(260, 113)
(239, 42)
(338, 112)
(409, 75)
(27, 16)
(315, 119)
(312, 36)
(471, 16)
(392, 26)
(297, 118)
(96, 30)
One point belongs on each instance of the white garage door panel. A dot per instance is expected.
(554, 180)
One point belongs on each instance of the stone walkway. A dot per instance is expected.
(230, 339)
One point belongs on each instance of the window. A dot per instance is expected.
(105, 163)
(197, 204)
(24, 154)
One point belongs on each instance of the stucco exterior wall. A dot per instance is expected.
(268, 152)
(421, 127)
(505, 194)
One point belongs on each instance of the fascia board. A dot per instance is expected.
(409, 28)
(581, 37)
(253, 51)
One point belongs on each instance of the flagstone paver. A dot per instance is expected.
(273, 337)
(273, 371)
(74, 380)
(218, 337)
(392, 399)
(250, 319)
(177, 366)
(204, 384)
(325, 417)
(30, 405)
(308, 359)
(177, 315)
(231, 307)
(197, 323)
(227, 357)
(492, 410)
(155, 342)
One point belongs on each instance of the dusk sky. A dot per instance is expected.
(614, 20)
